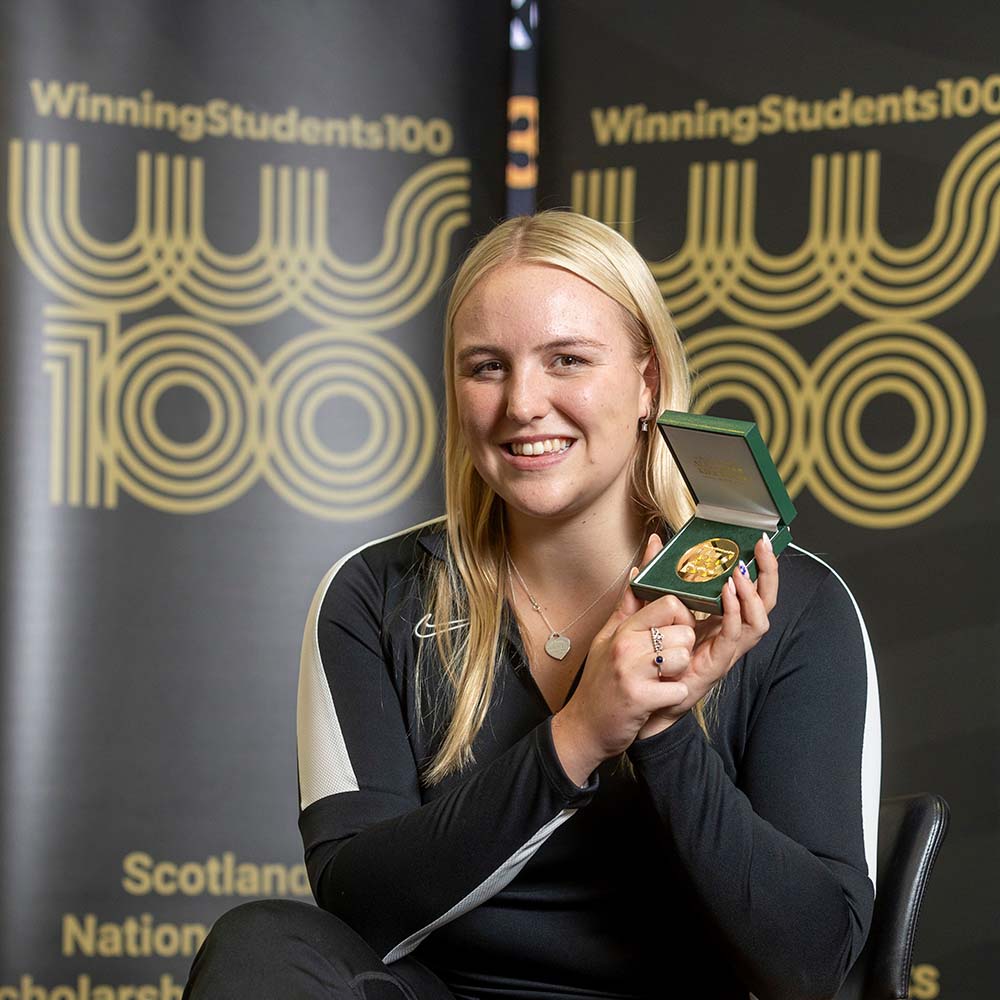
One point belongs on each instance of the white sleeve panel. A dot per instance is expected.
(324, 763)
(871, 748)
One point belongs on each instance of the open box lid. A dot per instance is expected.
(728, 469)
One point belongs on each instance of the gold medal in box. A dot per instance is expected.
(738, 496)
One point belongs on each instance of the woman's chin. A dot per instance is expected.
(547, 508)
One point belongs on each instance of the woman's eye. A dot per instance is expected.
(569, 361)
(486, 367)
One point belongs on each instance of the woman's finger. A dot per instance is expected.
(664, 611)
(668, 694)
(679, 636)
(767, 572)
(732, 617)
(675, 661)
(715, 655)
(752, 608)
(653, 546)
(628, 604)
(668, 648)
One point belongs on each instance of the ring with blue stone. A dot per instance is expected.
(657, 637)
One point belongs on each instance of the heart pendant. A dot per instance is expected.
(557, 646)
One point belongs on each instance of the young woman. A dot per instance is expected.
(516, 779)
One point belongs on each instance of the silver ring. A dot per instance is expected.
(657, 637)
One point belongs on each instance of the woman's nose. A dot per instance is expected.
(527, 397)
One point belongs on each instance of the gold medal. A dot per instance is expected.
(707, 560)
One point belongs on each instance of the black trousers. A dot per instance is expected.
(280, 949)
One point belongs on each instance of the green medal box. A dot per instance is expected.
(738, 495)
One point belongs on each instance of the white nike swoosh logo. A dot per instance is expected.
(425, 628)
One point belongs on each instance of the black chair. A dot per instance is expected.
(911, 829)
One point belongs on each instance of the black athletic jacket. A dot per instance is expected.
(723, 866)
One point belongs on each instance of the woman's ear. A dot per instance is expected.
(650, 371)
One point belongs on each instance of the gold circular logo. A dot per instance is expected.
(707, 560)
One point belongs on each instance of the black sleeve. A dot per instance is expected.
(777, 857)
(393, 868)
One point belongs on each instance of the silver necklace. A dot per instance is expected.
(558, 643)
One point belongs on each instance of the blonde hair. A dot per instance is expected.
(471, 581)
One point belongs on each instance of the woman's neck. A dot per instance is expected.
(577, 555)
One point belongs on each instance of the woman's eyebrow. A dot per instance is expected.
(562, 343)
(565, 342)
(471, 352)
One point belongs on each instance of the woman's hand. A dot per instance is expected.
(621, 686)
(720, 639)
(624, 695)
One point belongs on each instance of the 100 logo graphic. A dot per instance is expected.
(262, 418)
(109, 373)
(811, 415)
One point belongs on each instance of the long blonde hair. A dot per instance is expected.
(471, 581)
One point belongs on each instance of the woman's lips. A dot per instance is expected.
(537, 462)
(539, 446)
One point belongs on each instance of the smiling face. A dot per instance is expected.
(548, 391)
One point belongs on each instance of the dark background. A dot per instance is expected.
(925, 589)
(151, 658)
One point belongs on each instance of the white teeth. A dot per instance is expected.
(539, 447)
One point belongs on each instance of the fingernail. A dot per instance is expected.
(633, 573)
(731, 584)
(743, 567)
(767, 541)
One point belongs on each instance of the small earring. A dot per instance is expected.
(644, 426)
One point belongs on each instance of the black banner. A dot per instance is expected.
(226, 230)
(815, 190)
